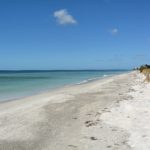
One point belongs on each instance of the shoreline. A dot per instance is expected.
(51, 89)
(60, 87)
(68, 118)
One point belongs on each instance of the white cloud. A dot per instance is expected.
(114, 31)
(63, 17)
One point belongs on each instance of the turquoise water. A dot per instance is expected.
(17, 84)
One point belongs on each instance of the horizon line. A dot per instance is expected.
(60, 69)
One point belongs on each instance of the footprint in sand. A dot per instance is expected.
(90, 123)
(73, 146)
(88, 114)
(144, 136)
(98, 114)
(75, 118)
(114, 130)
(109, 146)
(93, 138)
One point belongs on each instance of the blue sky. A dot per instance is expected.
(74, 34)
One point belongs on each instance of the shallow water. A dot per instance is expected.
(17, 84)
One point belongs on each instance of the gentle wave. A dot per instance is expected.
(92, 79)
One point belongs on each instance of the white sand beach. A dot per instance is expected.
(111, 113)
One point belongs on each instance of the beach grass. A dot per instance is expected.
(146, 72)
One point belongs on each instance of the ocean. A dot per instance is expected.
(17, 84)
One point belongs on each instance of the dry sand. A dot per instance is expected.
(110, 113)
(133, 114)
